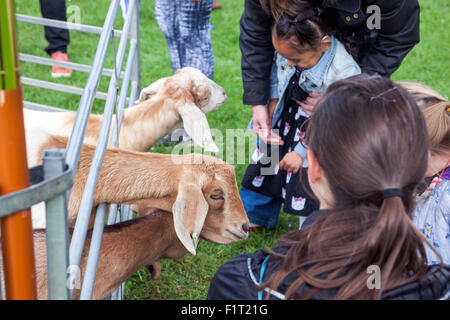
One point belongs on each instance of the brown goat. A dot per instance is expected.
(127, 247)
(189, 191)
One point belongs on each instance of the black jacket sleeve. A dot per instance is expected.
(399, 33)
(255, 42)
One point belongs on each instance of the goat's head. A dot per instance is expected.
(208, 205)
(194, 95)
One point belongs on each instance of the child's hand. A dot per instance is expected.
(310, 102)
(262, 124)
(291, 162)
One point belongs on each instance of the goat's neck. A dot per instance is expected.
(146, 123)
(128, 246)
(129, 177)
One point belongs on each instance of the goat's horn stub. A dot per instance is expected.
(194, 237)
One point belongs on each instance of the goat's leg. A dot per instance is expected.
(154, 269)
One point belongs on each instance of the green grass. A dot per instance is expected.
(189, 277)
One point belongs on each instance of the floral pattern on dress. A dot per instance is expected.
(432, 218)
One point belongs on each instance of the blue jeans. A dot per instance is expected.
(185, 25)
(261, 210)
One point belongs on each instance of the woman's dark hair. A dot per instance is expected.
(306, 24)
(276, 8)
(368, 135)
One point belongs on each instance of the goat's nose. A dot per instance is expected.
(245, 227)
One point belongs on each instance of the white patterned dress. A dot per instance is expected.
(432, 218)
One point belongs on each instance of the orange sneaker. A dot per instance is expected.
(58, 72)
(216, 5)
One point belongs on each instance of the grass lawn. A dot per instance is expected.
(189, 277)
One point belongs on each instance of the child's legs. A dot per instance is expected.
(261, 210)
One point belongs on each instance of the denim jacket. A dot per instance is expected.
(335, 64)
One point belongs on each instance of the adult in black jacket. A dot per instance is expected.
(239, 278)
(379, 50)
(368, 149)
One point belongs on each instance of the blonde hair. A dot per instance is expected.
(436, 110)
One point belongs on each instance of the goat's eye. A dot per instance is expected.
(217, 197)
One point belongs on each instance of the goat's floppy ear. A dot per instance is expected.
(197, 127)
(152, 89)
(189, 213)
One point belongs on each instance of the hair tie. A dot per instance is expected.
(390, 193)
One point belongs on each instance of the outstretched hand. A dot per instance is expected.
(261, 125)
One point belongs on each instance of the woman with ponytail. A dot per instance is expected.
(432, 214)
(367, 154)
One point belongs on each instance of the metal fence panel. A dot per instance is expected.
(51, 180)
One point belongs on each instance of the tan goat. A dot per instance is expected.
(181, 99)
(164, 181)
(128, 246)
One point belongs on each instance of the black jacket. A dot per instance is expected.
(381, 51)
(238, 279)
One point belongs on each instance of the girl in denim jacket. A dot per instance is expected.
(308, 59)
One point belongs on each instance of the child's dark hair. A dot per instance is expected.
(308, 26)
(368, 135)
(308, 23)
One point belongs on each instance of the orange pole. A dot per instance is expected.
(17, 234)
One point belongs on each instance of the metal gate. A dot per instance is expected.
(51, 182)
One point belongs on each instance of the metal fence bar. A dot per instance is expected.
(40, 190)
(87, 99)
(123, 94)
(90, 272)
(88, 94)
(57, 232)
(73, 148)
(133, 93)
(94, 249)
(63, 64)
(59, 87)
(112, 214)
(41, 107)
(63, 24)
(81, 225)
(113, 218)
(135, 35)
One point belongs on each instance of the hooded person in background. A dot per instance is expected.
(380, 32)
